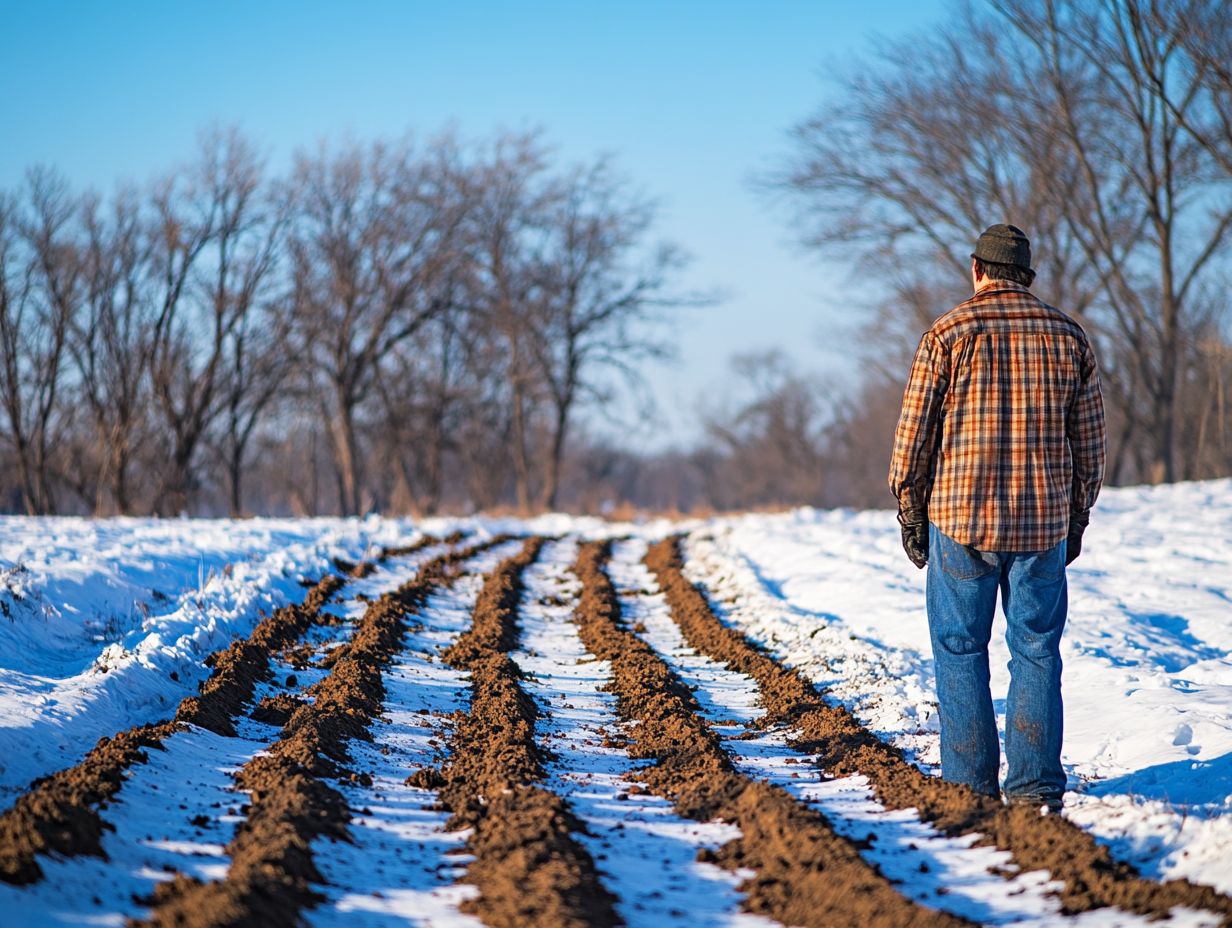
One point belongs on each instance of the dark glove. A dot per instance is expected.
(1073, 541)
(915, 535)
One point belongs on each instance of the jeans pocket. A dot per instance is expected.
(963, 563)
(1050, 564)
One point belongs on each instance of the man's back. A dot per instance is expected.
(998, 456)
(1002, 426)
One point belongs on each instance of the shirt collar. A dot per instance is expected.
(998, 283)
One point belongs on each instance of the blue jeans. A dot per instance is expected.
(962, 597)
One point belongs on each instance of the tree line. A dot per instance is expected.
(1101, 127)
(385, 326)
(410, 328)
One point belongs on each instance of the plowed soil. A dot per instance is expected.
(496, 778)
(1092, 879)
(61, 813)
(270, 878)
(805, 873)
(529, 867)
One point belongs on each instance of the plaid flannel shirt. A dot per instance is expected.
(1001, 434)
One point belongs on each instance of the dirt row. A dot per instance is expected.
(529, 867)
(269, 880)
(61, 813)
(1092, 878)
(804, 873)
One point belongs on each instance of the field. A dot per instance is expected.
(565, 721)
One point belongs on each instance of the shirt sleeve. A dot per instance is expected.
(1084, 427)
(919, 425)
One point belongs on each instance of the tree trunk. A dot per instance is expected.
(119, 481)
(521, 463)
(551, 487)
(235, 477)
(345, 458)
(178, 489)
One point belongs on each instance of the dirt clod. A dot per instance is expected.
(276, 710)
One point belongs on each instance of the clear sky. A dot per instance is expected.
(692, 99)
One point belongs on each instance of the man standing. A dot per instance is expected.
(998, 458)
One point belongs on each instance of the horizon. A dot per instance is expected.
(707, 104)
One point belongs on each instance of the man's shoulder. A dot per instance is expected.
(1003, 309)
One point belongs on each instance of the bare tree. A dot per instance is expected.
(215, 245)
(594, 298)
(111, 343)
(769, 448)
(506, 237)
(373, 252)
(1151, 208)
(1064, 118)
(408, 321)
(426, 391)
(258, 366)
(40, 277)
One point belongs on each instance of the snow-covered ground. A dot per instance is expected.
(1147, 681)
(103, 625)
(645, 852)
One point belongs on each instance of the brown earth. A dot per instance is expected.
(60, 813)
(1092, 878)
(529, 868)
(239, 668)
(269, 881)
(453, 538)
(804, 872)
(276, 709)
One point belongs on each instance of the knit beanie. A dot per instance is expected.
(1004, 244)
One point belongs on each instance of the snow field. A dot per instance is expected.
(96, 617)
(178, 812)
(1148, 740)
(107, 622)
(644, 851)
(157, 831)
(951, 874)
(401, 864)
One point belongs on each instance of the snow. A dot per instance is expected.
(400, 862)
(179, 810)
(98, 616)
(154, 833)
(95, 617)
(104, 623)
(1147, 681)
(937, 871)
(646, 854)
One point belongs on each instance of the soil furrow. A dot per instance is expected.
(291, 804)
(804, 873)
(60, 813)
(529, 868)
(238, 669)
(844, 747)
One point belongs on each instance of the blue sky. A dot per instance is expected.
(692, 99)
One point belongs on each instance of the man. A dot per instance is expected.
(998, 458)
